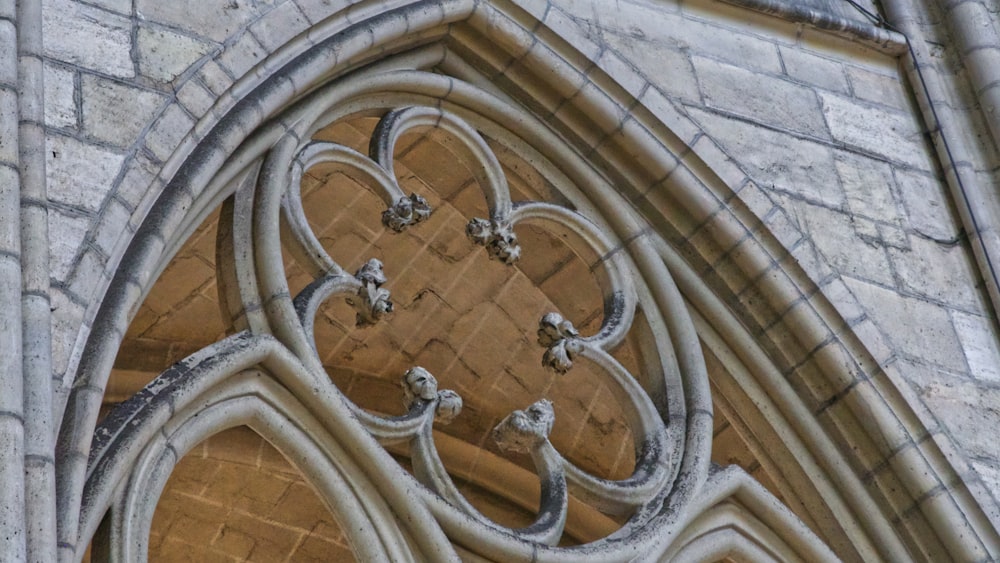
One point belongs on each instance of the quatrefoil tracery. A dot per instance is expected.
(525, 431)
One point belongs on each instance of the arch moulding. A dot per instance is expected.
(862, 476)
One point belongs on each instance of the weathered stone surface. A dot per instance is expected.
(217, 19)
(777, 161)
(978, 335)
(123, 7)
(760, 98)
(87, 36)
(646, 26)
(80, 174)
(60, 100)
(941, 272)
(812, 69)
(316, 10)
(114, 112)
(964, 407)
(8, 126)
(164, 54)
(878, 88)
(195, 98)
(667, 68)
(869, 187)
(66, 234)
(66, 318)
(168, 131)
(242, 55)
(928, 208)
(895, 136)
(823, 127)
(914, 326)
(280, 25)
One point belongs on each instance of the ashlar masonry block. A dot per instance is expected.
(80, 173)
(87, 36)
(115, 112)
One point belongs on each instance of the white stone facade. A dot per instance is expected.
(797, 199)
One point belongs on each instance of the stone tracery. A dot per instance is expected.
(425, 403)
(287, 356)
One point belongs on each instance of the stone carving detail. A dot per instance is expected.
(562, 341)
(523, 431)
(498, 238)
(372, 302)
(449, 406)
(420, 385)
(405, 212)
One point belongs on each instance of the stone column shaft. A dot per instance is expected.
(39, 464)
(12, 533)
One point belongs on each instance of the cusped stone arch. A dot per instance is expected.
(838, 432)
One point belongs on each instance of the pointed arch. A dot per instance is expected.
(786, 355)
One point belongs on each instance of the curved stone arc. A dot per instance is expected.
(190, 383)
(483, 540)
(396, 429)
(264, 230)
(239, 293)
(431, 472)
(221, 155)
(554, 503)
(309, 300)
(731, 535)
(887, 401)
(975, 536)
(345, 158)
(114, 540)
(613, 271)
(653, 465)
(417, 82)
(832, 480)
(477, 155)
(498, 475)
(265, 253)
(694, 403)
(120, 436)
(551, 520)
(646, 423)
(149, 254)
(734, 500)
(254, 400)
(473, 105)
(428, 467)
(269, 269)
(629, 493)
(299, 238)
(705, 425)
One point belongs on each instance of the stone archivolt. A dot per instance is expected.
(267, 374)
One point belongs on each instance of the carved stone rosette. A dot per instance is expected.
(419, 386)
(406, 211)
(372, 302)
(561, 340)
(525, 430)
(498, 238)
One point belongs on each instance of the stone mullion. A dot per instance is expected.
(12, 527)
(39, 466)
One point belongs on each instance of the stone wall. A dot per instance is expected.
(827, 129)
